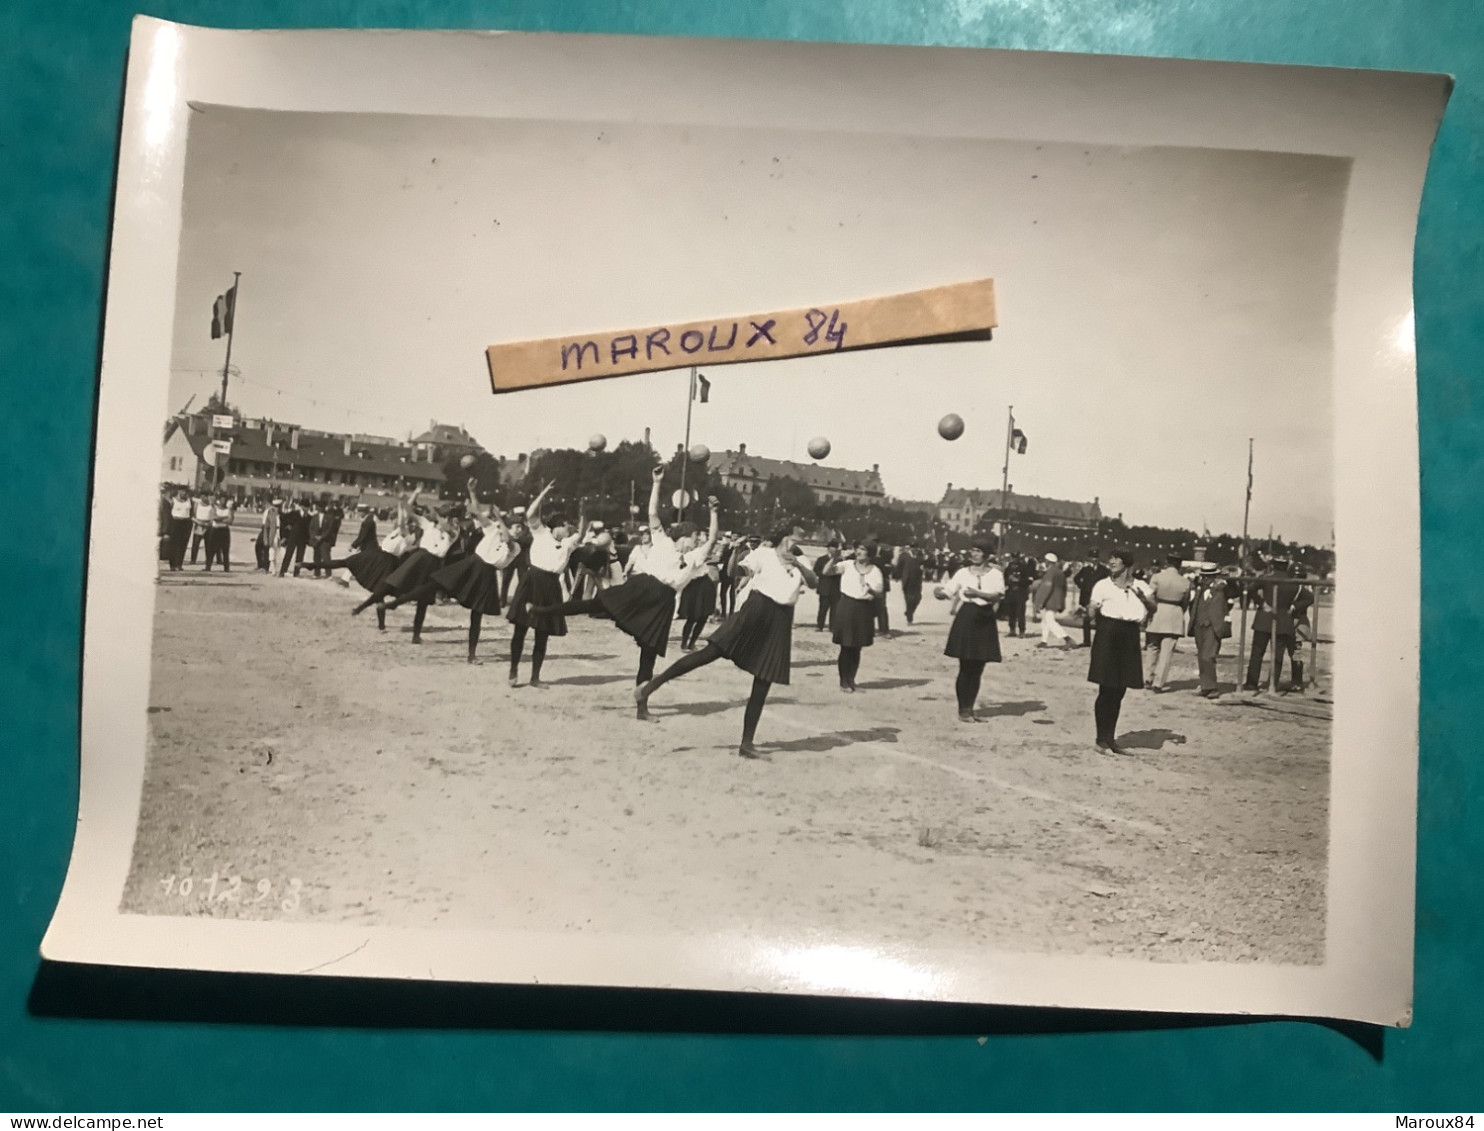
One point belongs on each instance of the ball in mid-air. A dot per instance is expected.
(700, 453)
(819, 447)
(951, 427)
(597, 442)
(467, 462)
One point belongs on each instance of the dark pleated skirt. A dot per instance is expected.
(371, 567)
(1116, 661)
(473, 583)
(974, 635)
(643, 606)
(538, 587)
(855, 622)
(758, 638)
(414, 570)
(698, 599)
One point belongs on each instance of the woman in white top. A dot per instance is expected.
(180, 529)
(974, 638)
(1121, 605)
(473, 580)
(861, 586)
(413, 572)
(698, 598)
(373, 564)
(540, 589)
(644, 605)
(758, 637)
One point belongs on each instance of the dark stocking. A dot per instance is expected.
(687, 663)
(424, 594)
(538, 655)
(647, 657)
(476, 620)
(417, 621)
(517, 646)
(1105, 711)
(970, 673)
(754, 710)
(848, 664)
(380, 593)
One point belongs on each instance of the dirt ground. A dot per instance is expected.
(304, 766)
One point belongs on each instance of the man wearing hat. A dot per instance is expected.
(829, 586)
(268, 540)
(909, 573)
(520, 534)
(1167, 624)
(1210, 607)
(1085, 578)
(1053, 604)
(1279, 603)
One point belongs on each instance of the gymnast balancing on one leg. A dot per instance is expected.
(416, 568)
(758, 637)
(371, 564)
(473, 580)
(644, 605)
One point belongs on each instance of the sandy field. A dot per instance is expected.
(304, 766)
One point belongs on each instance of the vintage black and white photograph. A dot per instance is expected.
(1024, 645)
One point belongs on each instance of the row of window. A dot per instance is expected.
(313, 475)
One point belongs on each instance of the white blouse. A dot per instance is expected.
(493, 548)
(861, 586)
(180, 508)
(395, 543)
(549, 554)
(660, 560)
(1117, 603)
(780, 583)
(435, 539)
(991, 581)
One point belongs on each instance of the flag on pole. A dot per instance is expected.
(703, 388)
(222, 311)
(1017, 441)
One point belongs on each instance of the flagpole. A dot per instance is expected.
(232, 314)
(1005, 485)
(226, 367)
(690, 404)
(1242, 568)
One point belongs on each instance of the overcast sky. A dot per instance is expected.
(1157, 306)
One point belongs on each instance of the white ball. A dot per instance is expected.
(819, 447)
(699, 453)
(598, 442)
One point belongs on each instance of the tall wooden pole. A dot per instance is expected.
(1005, 485)
(690, 404)
(1242, 569)
(227, 366)
(232, 326)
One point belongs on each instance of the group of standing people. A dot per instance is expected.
(198, 521)
(474, 555)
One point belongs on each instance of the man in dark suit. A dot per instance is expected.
(366, 535)
(909, 573)
(1208, 624)
(1085, 578)
(322, 538)
(829, 587)
(1278, 602)
(883, 558)
(1017, 591)
(294, 523)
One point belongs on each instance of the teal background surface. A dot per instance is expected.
(95, 1042)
